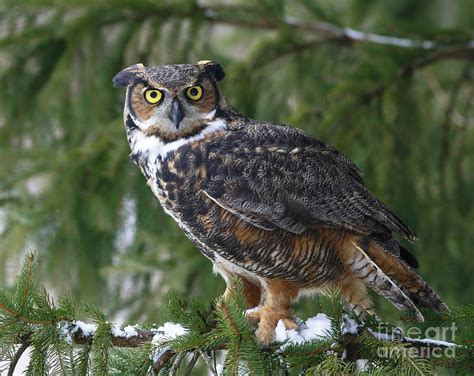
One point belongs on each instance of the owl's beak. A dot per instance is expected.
(176, 114)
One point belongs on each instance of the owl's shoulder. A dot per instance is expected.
(282, 139)
(269, 133)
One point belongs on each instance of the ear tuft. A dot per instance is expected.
(213, 68)
(126, 76)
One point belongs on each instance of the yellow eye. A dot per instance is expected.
(153, 96)
(194, 92)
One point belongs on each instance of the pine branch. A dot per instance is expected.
(325, 29)
(343, 340)
(253, 17)
(425, 347)
(334, 347)
(445, 146)
(404, 72)
(79, 336)
(409, 69)
(353, 339)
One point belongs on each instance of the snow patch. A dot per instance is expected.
(391, 337)
(167, 331)
(434, 342)
(362, 365)
(86, 329)
(314, 328)
(350, 325)
(126, 332)
(64, 329)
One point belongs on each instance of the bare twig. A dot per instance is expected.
(17, 357)
(177, 363)
(219, 13)
(163, 360)
(253, 17)
(348, 33)
(191, 364)
(209, 362)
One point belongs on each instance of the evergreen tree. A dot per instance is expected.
(220, 340)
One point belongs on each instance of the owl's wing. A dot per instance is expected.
(278, 177)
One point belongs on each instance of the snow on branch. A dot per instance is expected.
(52, 331)
(81, 333)
(313, 329)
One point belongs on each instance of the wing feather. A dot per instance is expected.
(277, 176)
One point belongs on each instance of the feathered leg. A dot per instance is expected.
(252, 292)
(355, 293)
(277, 306)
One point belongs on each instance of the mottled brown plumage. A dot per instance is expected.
(282, 210)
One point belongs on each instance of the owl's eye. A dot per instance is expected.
(194, 92)
(153, 96)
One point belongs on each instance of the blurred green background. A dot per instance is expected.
(69, 190)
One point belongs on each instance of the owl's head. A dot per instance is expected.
(171, 101)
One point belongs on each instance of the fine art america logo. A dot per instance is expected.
(433, 345)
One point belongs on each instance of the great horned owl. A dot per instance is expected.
(284, 211)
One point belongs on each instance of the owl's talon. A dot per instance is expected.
(265, 337)
(253, 316)
(268, 323)
(290, 323)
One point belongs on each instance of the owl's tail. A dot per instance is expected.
(394, 279)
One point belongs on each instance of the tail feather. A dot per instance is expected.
(419, 292)
(406, 256)
(364, 267)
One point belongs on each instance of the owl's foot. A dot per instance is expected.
(254, 317)
(276, 307)
(268, 322)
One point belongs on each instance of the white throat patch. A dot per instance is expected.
(152, 147)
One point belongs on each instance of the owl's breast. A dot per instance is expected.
(180, 178)
(225, 238)
(178, 185)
